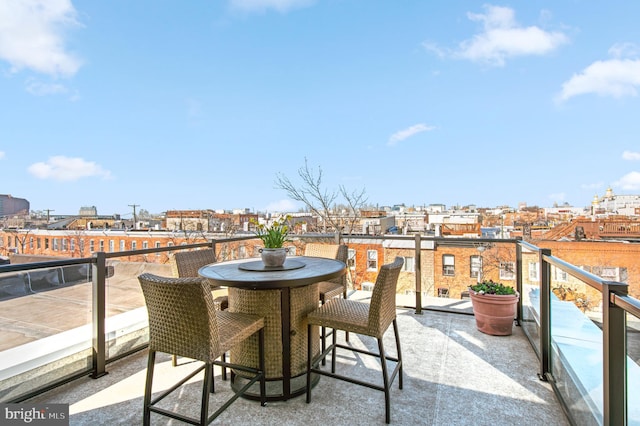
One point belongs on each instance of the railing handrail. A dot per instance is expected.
(614, 325)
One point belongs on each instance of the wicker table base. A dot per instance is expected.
(285, 312)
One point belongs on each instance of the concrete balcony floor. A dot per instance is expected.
(453, 375)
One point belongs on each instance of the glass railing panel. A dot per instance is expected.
(45, 327)
(576, 360)
(530, 296)
(633, 369)
(126, 315)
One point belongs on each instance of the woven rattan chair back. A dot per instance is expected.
(182, 319)
(329, 251)
(382, 310)
(187, 263)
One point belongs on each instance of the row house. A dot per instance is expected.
(447, 266)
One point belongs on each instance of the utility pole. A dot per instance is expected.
(135, 219)
(48, 211)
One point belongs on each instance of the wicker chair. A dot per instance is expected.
(333, 288)
(186, 264)
(184, 321)
(366, 319)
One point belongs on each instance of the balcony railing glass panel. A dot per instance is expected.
(633, 369)
(45, 332)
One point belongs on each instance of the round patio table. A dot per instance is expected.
(283, 296)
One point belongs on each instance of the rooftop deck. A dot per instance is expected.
(453, 375)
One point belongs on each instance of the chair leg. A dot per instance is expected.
(174, 360)
(346, 333)
(263, 380)
(323, 341)
(333, 352)
(395, 331)
(309, 355)
(385, 380)
(146, 413)
(207, 388)
(224, 369)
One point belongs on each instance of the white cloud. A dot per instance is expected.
(614, 77)
(43, 89)
(63, 168)
(629, 182)
(281, 206)
(624, 50)
(502, 37)
(408, 132)
(1, 155)
(631, 156)
(262, 5)
(32, 35)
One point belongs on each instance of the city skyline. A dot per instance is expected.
(200, 106)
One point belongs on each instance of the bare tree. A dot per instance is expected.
(320, 200)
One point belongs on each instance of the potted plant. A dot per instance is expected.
(494, 306)
(273, 237)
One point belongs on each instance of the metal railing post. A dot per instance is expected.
(418, 268)
(614, 357)
(98, 304)
(519, 272)
(545, 314)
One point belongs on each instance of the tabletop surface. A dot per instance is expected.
(315, 269)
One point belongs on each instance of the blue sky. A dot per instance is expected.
(199, 104)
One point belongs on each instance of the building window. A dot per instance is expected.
(46, 244)
(448, 265)
(81, 245)
(533, 271)
(122, 245)
(92, 246)
(31, 243)
(507, 271)
(560, 275)
(64, 244)
(145, 245)
(611, 273)
(351, 259)
(72, 244)
(112, 245)
(372, 260)
(133, 245)
(101, 245)
(158, 246)
(409, 264)
(38, 243)
(56, 244)
(475, 266)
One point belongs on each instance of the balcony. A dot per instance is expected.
(454, 374)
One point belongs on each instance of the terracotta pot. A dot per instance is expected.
(494, 313)
(273, 257)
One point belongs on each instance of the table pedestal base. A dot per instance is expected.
(275, 388)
